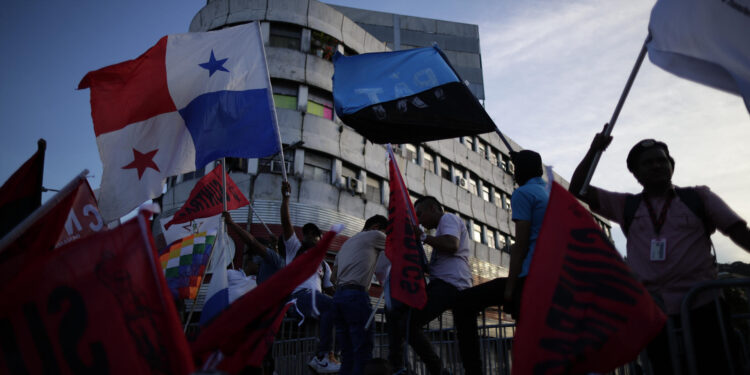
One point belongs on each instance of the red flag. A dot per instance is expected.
(83, 218)
(206, 199)
(244, 332)
(98, 305)
(38, 233)
(402, 247)
(22, 192)
(582, 310)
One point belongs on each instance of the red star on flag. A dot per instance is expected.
(143, 161)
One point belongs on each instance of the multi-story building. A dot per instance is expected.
(337, 176)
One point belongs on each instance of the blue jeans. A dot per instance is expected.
(352, 309)
(325, 308)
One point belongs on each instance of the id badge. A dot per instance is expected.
(659, 249)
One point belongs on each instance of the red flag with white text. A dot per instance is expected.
(206, 198)
(244, 332)
(97, 305)
(582, 310)
(402, 247)
(83, 218)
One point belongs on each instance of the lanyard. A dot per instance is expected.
(658, 222)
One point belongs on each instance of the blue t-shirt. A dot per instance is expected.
(528, 203)
(269, 264)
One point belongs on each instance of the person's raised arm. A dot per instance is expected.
(253, 245)
(286, 222)
(599, 143)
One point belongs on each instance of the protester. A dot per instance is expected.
(449, 273)
(261, 252)
(668, 232)
(528, 205)
(352, 271)
(260, 260)
(311, 290)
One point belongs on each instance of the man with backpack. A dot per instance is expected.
(668, 232)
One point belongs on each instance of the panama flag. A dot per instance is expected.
(190, 99)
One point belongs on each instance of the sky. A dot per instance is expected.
(553, 72)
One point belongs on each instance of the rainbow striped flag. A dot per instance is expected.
(184, 262)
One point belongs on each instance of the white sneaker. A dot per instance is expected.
(323, 366)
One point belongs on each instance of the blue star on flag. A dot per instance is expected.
(213, 65)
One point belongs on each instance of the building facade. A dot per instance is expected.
(337, 176)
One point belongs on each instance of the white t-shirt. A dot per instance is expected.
(452, 268)
(314, 282)
(239, 284)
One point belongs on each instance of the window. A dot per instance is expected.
(373, 190)
(473, 182)
(284, 94)
(491, 238)
(319, 104)
(476, 232)
(493, 158)
(501, 241)
(411, 153)
(323, 45)
(506, 204)
(195, 174)
(485, 192)
(285, 36)
(317, 166)
(236, 165)
(481, 149)
(272, 164)
(428, 161)
(505, 164)
(469, 142)
(445, 171)
(285, 101)
(348, 171)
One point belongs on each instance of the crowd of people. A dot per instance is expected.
(667, 228)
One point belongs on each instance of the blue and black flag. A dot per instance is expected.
(406, 96)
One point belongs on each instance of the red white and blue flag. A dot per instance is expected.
(190, 99)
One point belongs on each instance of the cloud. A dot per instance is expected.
(554, 71)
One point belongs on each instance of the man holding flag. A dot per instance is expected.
(668, 232)
(449, 273)
(528, 204)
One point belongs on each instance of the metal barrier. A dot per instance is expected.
(295, 345)
(734, 347)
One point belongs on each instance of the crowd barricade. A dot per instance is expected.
(295, 345)
(735, 333)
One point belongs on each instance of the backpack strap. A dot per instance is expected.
(631, 205)
(691, 198)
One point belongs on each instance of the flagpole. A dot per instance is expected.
(608, 129)
(272, 103)
(19, 229)
(223, 184)
(261, 220)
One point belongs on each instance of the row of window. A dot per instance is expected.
(284, 35)
(319, 102)
(456, 174)
(488, 152)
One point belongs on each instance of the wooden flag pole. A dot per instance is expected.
(608, 129)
